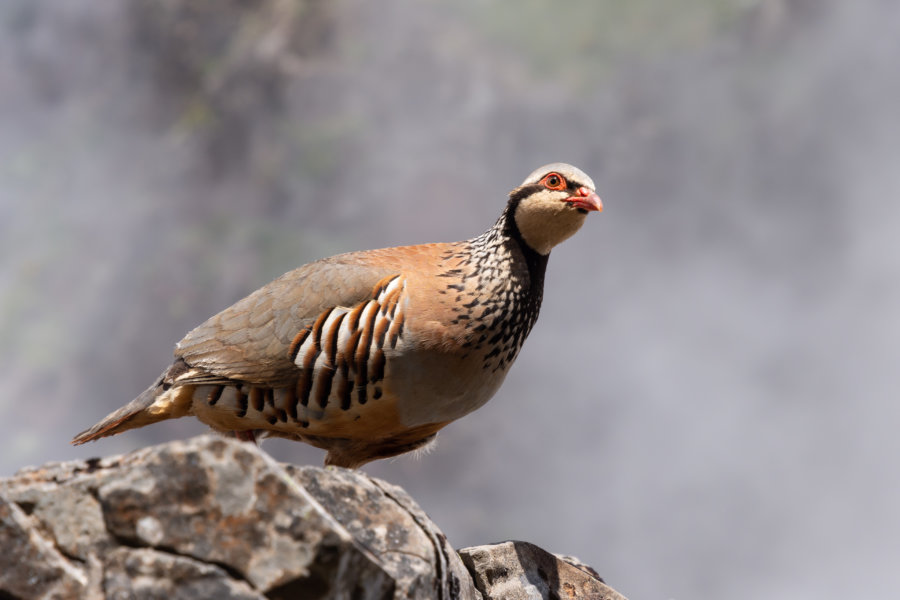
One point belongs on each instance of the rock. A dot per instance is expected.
(384, 518)
(216, 518)
(522, 571)
(30, 565)
(147, 573)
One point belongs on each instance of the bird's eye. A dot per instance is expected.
(554, 181)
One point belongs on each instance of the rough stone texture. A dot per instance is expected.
(150, 574)
(522, 571)
(217, 518)
(384, 518)
(30, 566)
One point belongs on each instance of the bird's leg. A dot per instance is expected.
(246, 435)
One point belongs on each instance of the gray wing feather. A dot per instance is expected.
(250, 341)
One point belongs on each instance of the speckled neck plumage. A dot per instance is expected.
(499, 284)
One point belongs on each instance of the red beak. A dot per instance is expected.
(587, 199)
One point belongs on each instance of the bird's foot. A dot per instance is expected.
(247, 435)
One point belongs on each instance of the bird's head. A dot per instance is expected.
(552, 204)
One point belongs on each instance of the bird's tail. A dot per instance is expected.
(157, 403)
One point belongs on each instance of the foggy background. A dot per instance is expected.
(707, 407)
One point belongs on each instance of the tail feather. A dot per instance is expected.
(156, 403)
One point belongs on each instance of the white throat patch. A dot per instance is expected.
(544, 220)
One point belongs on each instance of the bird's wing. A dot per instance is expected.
(251, 340)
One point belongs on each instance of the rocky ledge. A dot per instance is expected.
(216, 518)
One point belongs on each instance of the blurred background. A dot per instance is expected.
(707, 406)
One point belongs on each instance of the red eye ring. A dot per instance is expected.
(554, 181)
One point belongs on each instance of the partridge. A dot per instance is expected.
(368, 354)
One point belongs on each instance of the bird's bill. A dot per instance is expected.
(586, 199)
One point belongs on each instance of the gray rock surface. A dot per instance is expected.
(216, 518)
(522, 571)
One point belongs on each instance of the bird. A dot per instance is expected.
(368, 354)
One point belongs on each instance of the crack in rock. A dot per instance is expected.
(217, 518)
